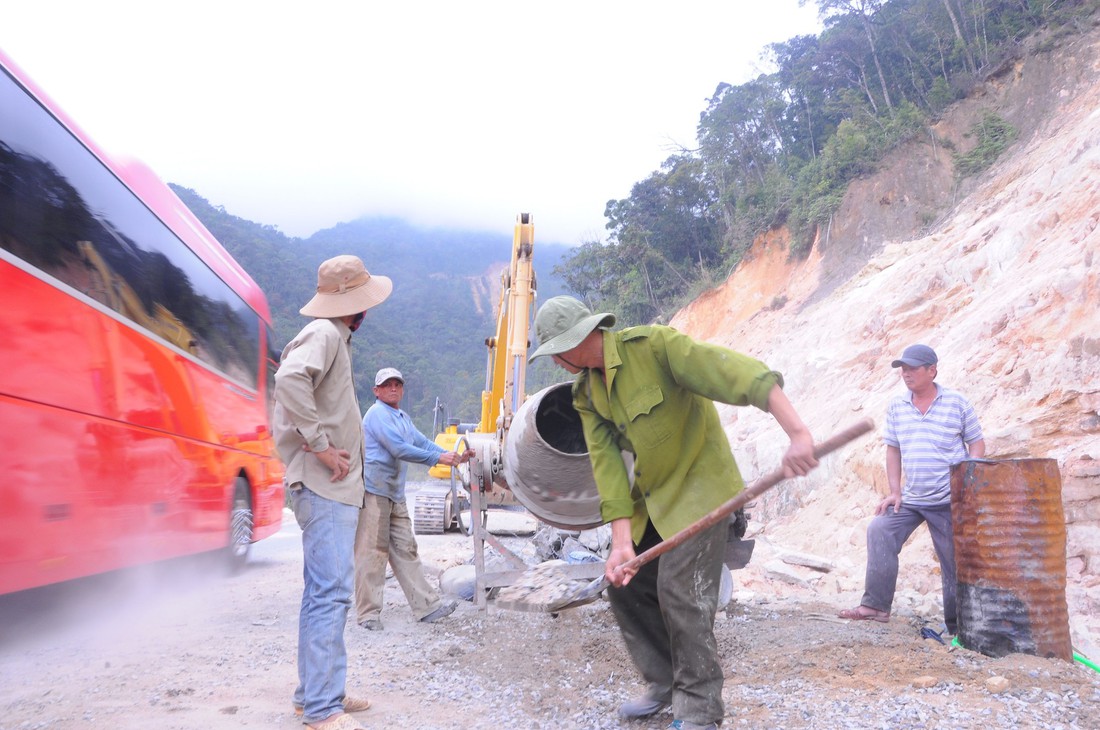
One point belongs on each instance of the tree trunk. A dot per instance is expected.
(970, 65)
(878, 66)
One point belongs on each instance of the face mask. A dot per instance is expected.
(357, 321)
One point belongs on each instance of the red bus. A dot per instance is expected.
(137, 369)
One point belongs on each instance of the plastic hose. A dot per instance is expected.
(1080, 659)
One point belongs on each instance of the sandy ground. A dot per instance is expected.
(183, 645)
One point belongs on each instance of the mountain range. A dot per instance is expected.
(432, 328)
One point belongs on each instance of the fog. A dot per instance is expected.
(445, 114)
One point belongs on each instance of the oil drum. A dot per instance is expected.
(1010, 551)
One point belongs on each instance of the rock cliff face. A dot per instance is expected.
(1004, 283)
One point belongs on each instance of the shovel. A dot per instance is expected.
(591, 591)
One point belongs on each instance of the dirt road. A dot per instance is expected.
(184, 646)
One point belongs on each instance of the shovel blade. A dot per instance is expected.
(586, 594)
(739, 553)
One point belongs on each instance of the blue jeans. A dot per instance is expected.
(328, 541)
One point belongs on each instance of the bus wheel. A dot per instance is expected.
(240, 525)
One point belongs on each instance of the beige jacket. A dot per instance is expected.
(315, 406)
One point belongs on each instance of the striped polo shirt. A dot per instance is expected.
(930, 443)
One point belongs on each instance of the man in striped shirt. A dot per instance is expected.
(928, 429)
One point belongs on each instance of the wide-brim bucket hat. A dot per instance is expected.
(346, 288)
(563, 322)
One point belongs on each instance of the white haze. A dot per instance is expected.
(132, 607)
(302, 115)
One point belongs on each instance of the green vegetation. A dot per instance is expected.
(993, 135)
(784, 147)
(430, 328)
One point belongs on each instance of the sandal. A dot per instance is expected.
(351, 704)
(865, 613)
(339, 721)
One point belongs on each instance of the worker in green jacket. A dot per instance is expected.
(650, 391)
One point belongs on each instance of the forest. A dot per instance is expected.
(434, 324)
(781, 149)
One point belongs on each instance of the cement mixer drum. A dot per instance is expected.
(546, 461)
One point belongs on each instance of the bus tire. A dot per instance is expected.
(240, 525)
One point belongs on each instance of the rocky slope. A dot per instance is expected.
(1004, 283)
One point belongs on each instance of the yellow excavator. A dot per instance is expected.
(440, 505)
(439, 508)
(530, 452)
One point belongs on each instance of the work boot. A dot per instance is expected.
(685, 725)
(648, 704)
(372, 624)
(445, 609)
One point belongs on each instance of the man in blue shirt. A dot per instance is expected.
(385, 531)
(928, 429)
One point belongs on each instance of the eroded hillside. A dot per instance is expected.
(999, 274)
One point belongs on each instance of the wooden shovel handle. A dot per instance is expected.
(757, 488)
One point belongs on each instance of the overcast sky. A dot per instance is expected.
(303, 115)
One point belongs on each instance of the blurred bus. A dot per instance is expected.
(137, 369)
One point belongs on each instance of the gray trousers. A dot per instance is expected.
(385, 535)
(887, 534)
(666, 616)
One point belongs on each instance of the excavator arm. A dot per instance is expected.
(528, 453)
(506, 364)
(437, 509)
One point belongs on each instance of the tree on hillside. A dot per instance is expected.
(803, 81)
(662, 238)
(838, 12)
(963, 44)
(783, 148)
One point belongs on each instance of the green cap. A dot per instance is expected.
(562, 323)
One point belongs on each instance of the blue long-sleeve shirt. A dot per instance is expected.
(391, 440)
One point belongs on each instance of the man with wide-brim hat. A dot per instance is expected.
(345, 287)
(563, 323)
(650, 391)
(317, 433)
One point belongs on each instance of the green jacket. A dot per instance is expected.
(654, 399)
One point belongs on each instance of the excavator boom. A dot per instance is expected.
(528, 453)
(437, 510)
(506, 364)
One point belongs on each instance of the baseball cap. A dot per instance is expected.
(916, 356)
(386, 373)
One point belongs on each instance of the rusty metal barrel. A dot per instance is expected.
(1010, 550)
(546, 462)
